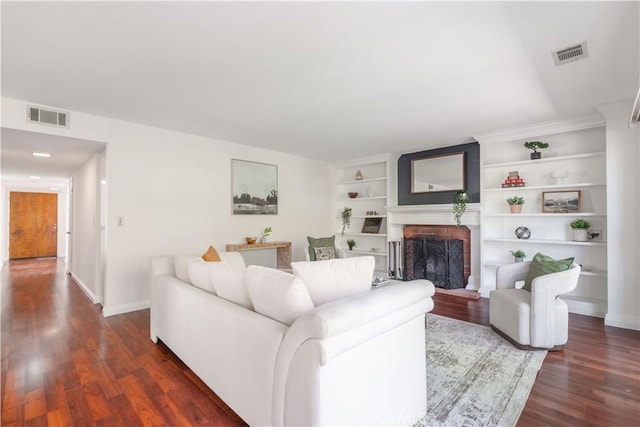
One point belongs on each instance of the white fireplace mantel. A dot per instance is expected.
(399, 216)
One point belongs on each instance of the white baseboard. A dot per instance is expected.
(125, 308)
(94, 299)
(484, 291)
(586, 308)
(622, 321)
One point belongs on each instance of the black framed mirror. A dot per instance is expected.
(435, 174)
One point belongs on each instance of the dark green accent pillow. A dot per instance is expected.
(541, 265)
(322, 242)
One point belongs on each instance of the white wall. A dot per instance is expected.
(85, 228)
(174, 192)
(623, 204)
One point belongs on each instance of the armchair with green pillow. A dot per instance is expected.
(322, 248)
(534, 316)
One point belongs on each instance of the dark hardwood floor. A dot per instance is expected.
(64, 364)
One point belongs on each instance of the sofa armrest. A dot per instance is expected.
(341, 325)
(162, 266)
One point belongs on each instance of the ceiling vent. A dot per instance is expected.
(47, 117)
(570, 54)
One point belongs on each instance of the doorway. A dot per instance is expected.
(33, 225)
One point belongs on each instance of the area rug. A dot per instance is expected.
(474, 376)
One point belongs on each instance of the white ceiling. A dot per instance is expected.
(67, 155)
(327, 80)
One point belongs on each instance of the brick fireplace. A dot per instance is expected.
(437, 221)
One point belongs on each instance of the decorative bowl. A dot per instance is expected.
(353, 194)
(251, 240)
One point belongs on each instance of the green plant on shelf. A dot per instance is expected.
(515, 200)
(579, 224)
(266, 231)
(351, 243)
(518, 254)
(346, 218)
(536, 145)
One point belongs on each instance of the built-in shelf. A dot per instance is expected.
(592, 214)
(545, 241)
(382, 178)
(361, 252)
(363, 234)
(594, 273)
(546, 160)
(547, 187)
(365, 198)
(375, 191)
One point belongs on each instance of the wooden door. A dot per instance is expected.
(33, 225)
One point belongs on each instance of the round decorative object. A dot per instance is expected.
(523, 233)
(353, 194)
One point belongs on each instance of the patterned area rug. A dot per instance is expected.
(475, 377)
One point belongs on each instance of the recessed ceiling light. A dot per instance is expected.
(34, 177)
(35, 153)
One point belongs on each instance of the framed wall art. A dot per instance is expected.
(561, 201)
(371, 225)
(254, 188)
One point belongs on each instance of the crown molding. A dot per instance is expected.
(541, 129)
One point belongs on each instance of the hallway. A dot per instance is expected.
(65, 364)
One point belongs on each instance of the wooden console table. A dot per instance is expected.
(283, 248)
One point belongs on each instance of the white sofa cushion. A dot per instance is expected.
(233, 260)
(200, 274)
(277, 294)
(229, 283)
(336, 278)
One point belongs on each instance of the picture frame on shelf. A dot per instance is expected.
(371, 225)
(567, 201)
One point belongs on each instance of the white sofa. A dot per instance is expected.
(356, 360)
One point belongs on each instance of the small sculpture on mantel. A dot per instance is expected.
(359, 176)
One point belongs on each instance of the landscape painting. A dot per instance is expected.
(254, 187)
(561, 201)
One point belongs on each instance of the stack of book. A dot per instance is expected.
(513, 180)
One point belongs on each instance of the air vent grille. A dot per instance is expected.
(47, 117)
(570, 54)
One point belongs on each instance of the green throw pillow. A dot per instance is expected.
(541, 265)
(322, 242)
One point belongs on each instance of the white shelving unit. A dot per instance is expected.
(575, 147)
(374, 191)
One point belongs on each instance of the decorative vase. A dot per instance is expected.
(359, 176)
(580, 234)
(536, 155)
(515, 209)
(263, 239)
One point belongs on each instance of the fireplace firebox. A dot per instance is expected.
(440, 261)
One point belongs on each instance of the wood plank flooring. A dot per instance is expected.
(64, 364)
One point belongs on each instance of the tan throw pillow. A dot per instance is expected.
(211, 255)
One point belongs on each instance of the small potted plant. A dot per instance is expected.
(515, 204)
(459, 205)
(346, 218)
(518, 255)
(580, 230)
(351, 243)
(535, 146)
(265, 233)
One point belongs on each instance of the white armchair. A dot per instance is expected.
(536, 319)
